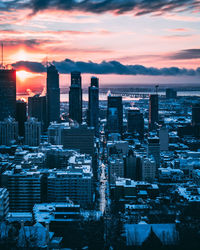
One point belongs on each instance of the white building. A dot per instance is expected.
(32, 132)
(8, 131)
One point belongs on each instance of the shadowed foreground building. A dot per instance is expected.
(32, 132)
(135, 122)
(7, 93)
(75, 183)
(76, 138)
(25, 188)
(21, 116)
(8, 131)
(37, 107)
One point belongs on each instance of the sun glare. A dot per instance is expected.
(21, 55)
(23, 75)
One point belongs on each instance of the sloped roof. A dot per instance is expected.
(136, 234)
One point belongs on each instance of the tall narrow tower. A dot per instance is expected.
(53, 94)
(115, 114)
(153, 111)
(93, 105)
(7, 93)
(75, 97)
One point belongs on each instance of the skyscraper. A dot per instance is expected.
(21, 116)
(154, 150)
(32, 132)
(93, 105)
(75, 97)
(153, 111)
(53, 94)
(115, 114)
(164, 138)
(196, 119)
(196, 114)
(7, 93)
(135, 122)
(37, 108)
(8, 131)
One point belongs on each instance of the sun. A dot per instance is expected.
(21, 55)
(23, 75)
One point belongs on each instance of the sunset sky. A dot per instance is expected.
(106, 37)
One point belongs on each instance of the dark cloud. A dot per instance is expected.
(139, 7)
(30, 66)
(110, 67)
(186, 54)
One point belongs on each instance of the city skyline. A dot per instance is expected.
(102, 38)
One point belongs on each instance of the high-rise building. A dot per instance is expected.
(196, 114)
(8, 131)
(21, 116)
(75, 97)
(79, 138)
(75, 184)
(171, 93)
(53, 94)
(25, 188)
(133, 166)
(153, 111)
(32, 132)
(148, 169)
(154, 150)
(115, 114)
(37, 107)
(7, 93)
(164, 138)
(135, 122)
(116, 168)
(93, 105)
(196, 120)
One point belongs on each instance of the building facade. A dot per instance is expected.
(8, 131)
(153, 111)
(32, 132)
(21, 116)
(75, 97)
(53, 94)
(115, 114)
(135, 122)
(25, 189)
(93, 105)
(7, 93)
(37, 107)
